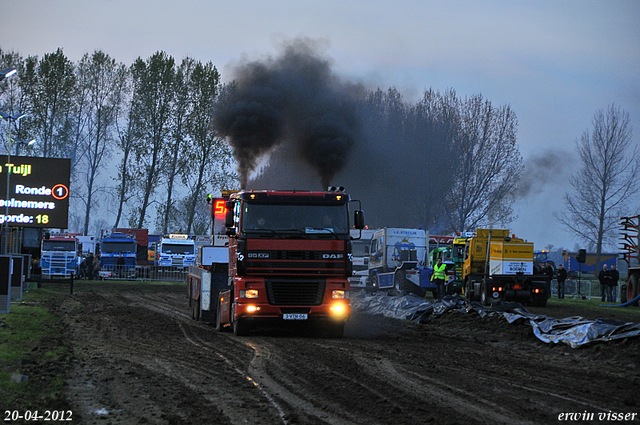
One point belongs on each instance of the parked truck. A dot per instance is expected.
(118, 253)
(176, 251)
(361, 244)
(289, 260)
(59, 256)
(498, 266)
(457, 257)
(141, 236)
(398, 262)
(630, 253)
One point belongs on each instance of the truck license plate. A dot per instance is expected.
(290, 316)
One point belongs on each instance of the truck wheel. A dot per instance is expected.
(624, 293)
(218, 319)
(240, 326)
(196, 310)
(398, 284)
(484, 297)
(374, 284)
(335, 330)
(541, 302)
(468, 293)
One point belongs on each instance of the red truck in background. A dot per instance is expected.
(290, 260)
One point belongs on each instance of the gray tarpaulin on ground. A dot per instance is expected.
(573, 331)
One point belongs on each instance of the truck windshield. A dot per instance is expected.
(118, 247)
(177, 249)
(308, 219)
(58, 245)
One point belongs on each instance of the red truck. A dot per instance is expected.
(290, 260)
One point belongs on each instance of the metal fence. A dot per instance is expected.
(578, 288)
(140, 273)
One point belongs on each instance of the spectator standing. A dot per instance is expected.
(120, 265)
(614, 276)
(438, 277)
(603, 277)
(83, 268)
(96, 267)
(89, 261)
(562, 277)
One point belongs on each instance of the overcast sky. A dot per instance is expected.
(554, 62)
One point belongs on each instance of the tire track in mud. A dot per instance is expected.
(291, 396)
(236, 411)
(178, 363)
(288, 405)
(301, 398)
(384, 372)
(447, 396)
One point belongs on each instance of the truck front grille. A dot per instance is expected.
(328, 263)
(295, 292)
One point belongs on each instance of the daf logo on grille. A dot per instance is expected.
(332, 256)
(258, 255)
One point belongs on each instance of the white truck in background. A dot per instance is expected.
(360, 257)
(59, 256)
(398, 262)
(177, 251)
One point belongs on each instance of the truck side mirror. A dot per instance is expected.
(358, 219)
(228, 218)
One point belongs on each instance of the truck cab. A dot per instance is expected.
(290, 257)
(361, 245)
(59, 256)
(398, 262)
(178, 251)
(118, 253)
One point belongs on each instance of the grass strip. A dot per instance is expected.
(32, 348)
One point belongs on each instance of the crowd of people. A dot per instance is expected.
(608, 278)
(89, 267)
(608, 283)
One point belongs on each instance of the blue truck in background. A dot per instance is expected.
(113, 246)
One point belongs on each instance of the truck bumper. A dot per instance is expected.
(340, 311)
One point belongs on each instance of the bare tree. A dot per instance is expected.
(176, 144)
(50, 86)
(127, 139)
(209, 156)
(103, 81)
(152, 101)
(488, 169)
(604, 186)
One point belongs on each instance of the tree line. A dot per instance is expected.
(138, 136)
(142, 145)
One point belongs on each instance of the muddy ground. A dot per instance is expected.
(138, 357)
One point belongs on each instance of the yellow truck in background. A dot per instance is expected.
(499, 267)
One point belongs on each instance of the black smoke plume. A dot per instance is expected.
(293, 100)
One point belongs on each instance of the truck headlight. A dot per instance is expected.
(340, 294)
(248, 293)
(338, 309)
